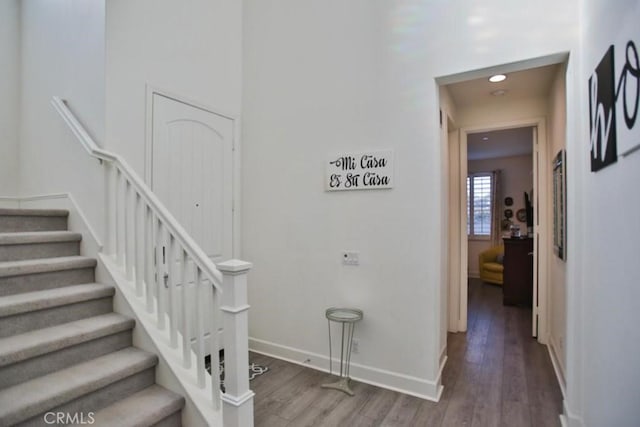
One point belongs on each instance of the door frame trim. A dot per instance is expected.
(152, 90)
(540, 228)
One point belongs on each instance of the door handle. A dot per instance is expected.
(166, 280)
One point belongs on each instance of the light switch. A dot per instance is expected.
(350, 258)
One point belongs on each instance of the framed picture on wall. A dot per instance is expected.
(560, 205)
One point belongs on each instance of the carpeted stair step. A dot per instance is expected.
(79, 389)
(14, 220)
(38, 244)
(42, 351)
(28, 311)
(62, 348)
(45, 273)
(152, 406)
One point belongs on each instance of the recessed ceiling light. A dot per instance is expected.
(485, 138)
(497, 78)
(499, 92)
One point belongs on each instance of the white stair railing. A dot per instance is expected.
(174, 277)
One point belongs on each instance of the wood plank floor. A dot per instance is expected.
(496, 375)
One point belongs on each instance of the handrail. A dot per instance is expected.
(195, 251)
(79, 131)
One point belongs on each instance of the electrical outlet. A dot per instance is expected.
(355, 346)
(350, 258)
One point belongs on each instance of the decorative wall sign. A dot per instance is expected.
(602, 114)
(627, 68)
(369, 170)
(614, 104)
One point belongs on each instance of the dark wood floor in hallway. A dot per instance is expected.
(496, 375)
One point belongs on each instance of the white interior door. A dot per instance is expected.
(536, 200)
(192, 174)
(462, 234)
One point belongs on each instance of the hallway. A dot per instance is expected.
(496, 375)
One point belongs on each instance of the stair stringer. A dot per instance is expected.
(170, 372)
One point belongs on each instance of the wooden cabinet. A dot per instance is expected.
(518, 272)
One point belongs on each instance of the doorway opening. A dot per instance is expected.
(474, 108)
(482, 329)
(500, 181)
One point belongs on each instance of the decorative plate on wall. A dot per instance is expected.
(508, 201)
(508, 213)
(521, 215)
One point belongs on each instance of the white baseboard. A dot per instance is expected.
(407, 384)
(557, 366)
(563, 421)
(568, 418)
(443, 361)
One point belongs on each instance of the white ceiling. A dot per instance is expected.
(477, 93)
(531, 83)
(500, 143)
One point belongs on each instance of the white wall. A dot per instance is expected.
(368, 83)
(603, 272)
(190, 48)
(10, 91)
(516, 179)
(557, 307)
(62, 47)
(508, 111)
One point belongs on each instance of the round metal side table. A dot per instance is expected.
(347, 317)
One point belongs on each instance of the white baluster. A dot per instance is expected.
(112, 211)
(119, 219)
(138, 238)
(128, 229)
(186, 311)
(237, 399)
(160, 273)
(149, 256)
(215, 348)
(172, 292)
(199, 328)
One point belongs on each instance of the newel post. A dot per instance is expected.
(237, 399)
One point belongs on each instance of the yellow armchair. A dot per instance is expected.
(490, 263)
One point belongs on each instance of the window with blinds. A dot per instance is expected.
(479, 205)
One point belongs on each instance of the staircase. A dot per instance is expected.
(65, 356)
